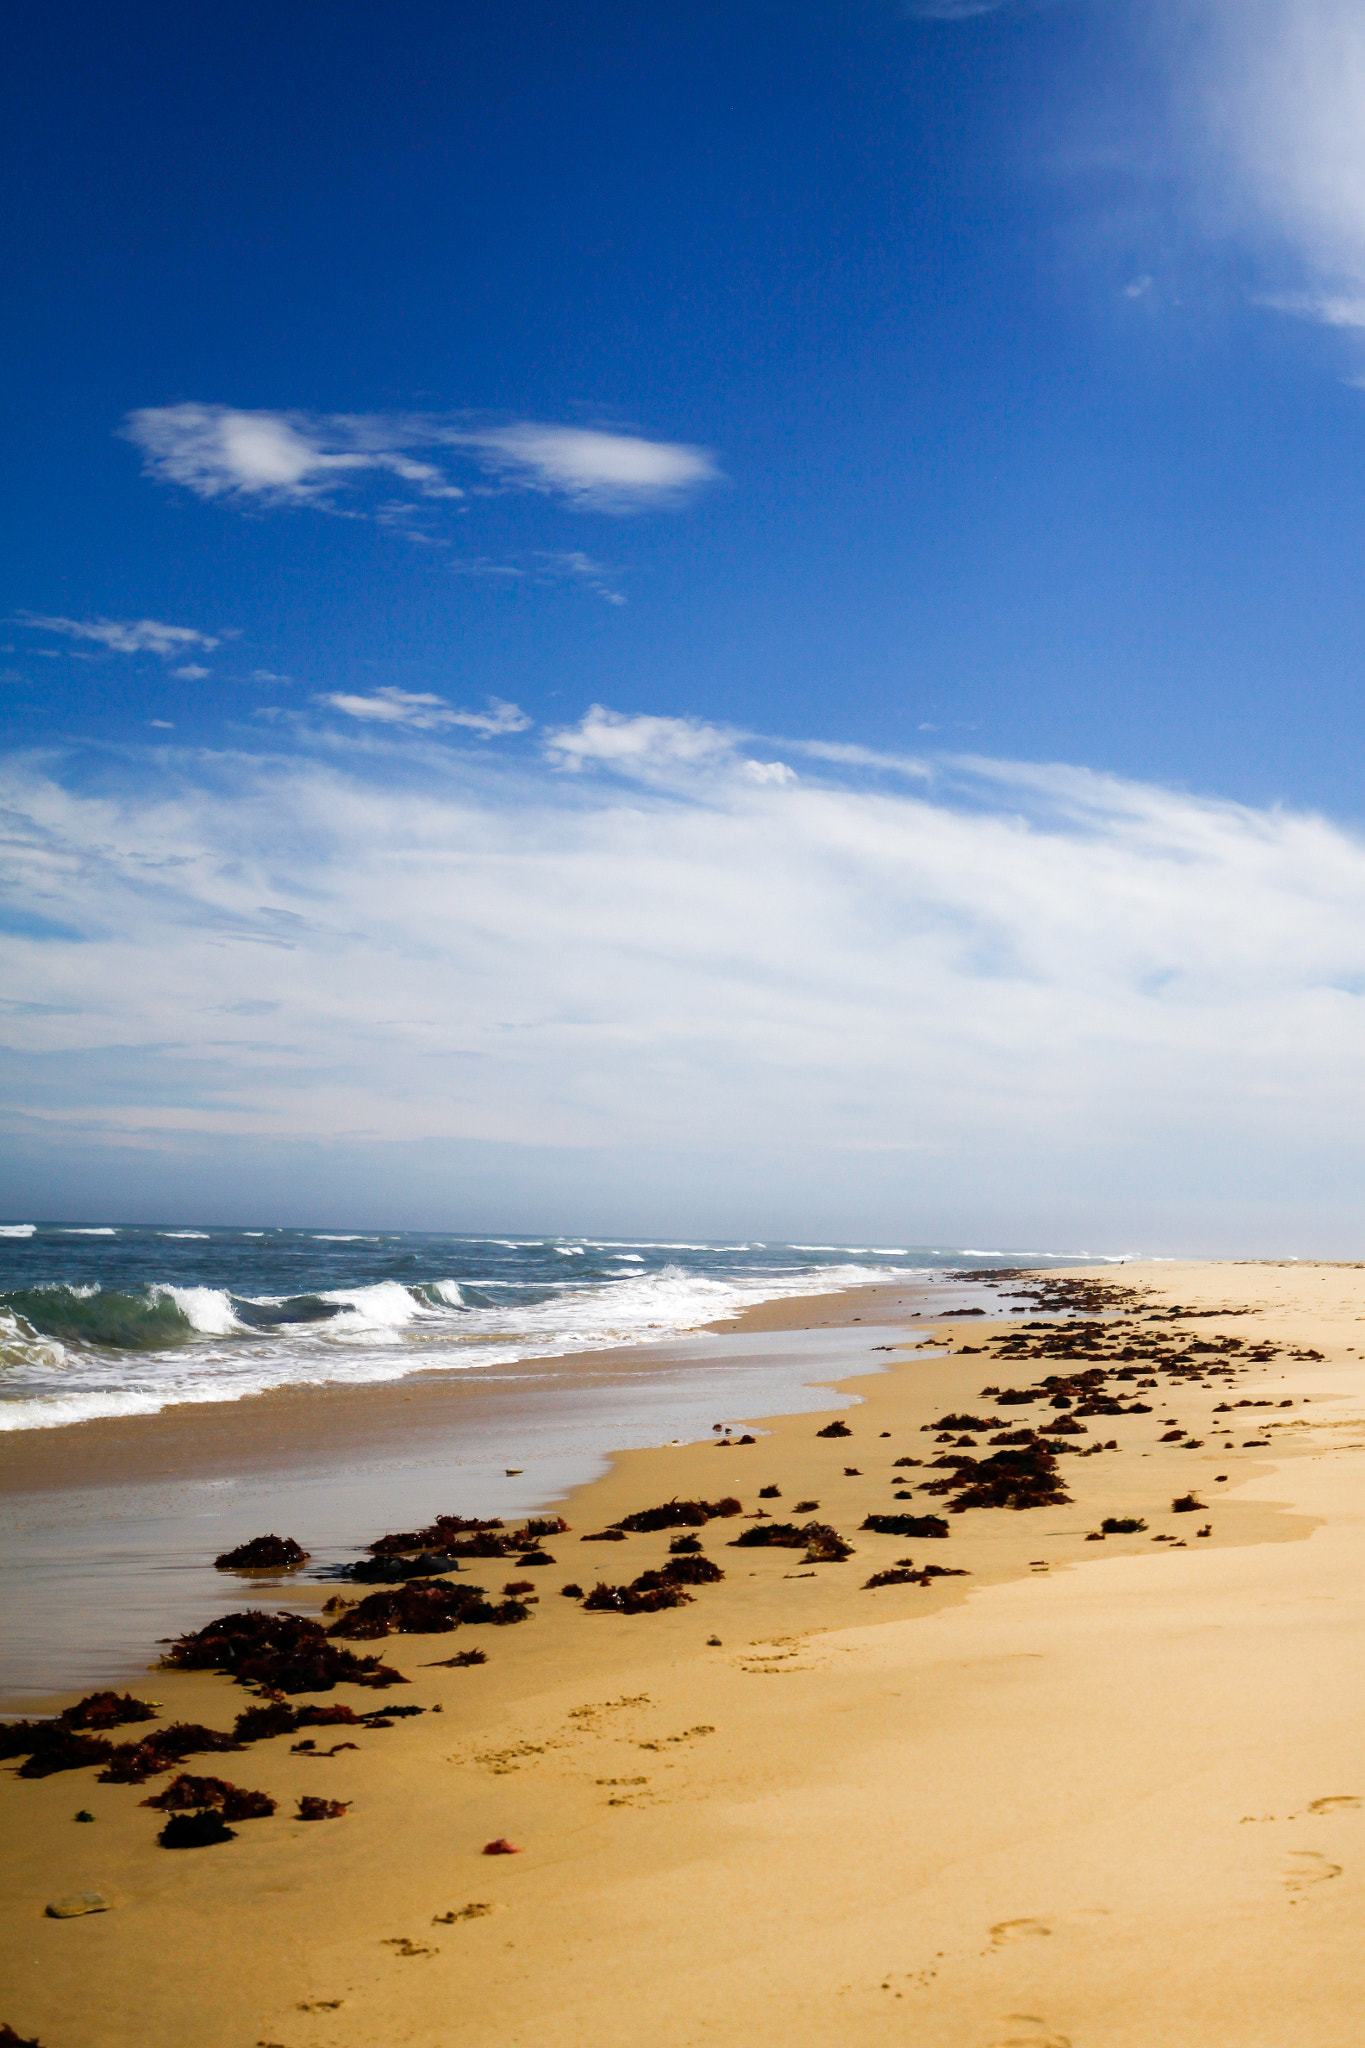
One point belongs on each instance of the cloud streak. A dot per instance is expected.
(294, 458)
(126, 636)
(1007, 992)
(419, 711)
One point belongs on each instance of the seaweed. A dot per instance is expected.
(906, 1575)
(514, 1586)
(958, 1422)
(835, 1429)
(96, 1711)
(232, 1801)
(1188, 1504)
(1122, 1525)
(277, 1717)
(461, 1660)
(1025, 1477)
(806, 1507)
(262, 1553)
(132, 1763)
(679, 1514)
(390, 1571)
(906, 1525)
(572, 1591)
(906, 1461)
(770, 1493)
(684, 1546)
(646, 1595)
(545, 1525)
(196, 1830)
(536, 1556)
(278, 1652)
(64, 1749)
(605, 1536)
(821, 1544)
(688, 1571)
(9, 2039)
(434, 1537)
(321, 1809)
(423, 1607)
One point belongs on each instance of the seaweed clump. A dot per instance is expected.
(277, 1652)
(437, 1535)
(1025, 1476)
(1188, 1504)
(645, 1595)
(1122, 1525)
(835, 1428)
(232, 1801)
(906, 1525)
(98, 1710)
(9, 2039)
(132, 1763)
(200, 1830)
(821, 1544)
(262, 1554)
(906, 1575)
(426, 1608)
(679, 1514)
(321, 1809)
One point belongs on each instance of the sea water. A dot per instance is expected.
(103, 1319)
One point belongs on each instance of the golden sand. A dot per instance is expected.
(1105, 1794)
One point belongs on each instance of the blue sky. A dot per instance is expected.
(930, 435)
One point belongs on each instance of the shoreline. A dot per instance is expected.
(838, 1851)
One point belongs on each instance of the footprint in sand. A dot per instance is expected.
(1026, 2030)
(1341, 1802)
(1307, 1868)
(1018, 1930)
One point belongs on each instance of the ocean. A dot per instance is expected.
(114, 1320)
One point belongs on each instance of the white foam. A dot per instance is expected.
(79, 1230)
(207, 1308)
(185, 1233)
(17, 1229)
(448, 1291)
(570, 1251)
(343, 1237)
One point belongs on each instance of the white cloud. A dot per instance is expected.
(192, 672)
(277, 457)
(422, 712)
(1016, 995)
(125, 636)
(613, 472)
(641, 745)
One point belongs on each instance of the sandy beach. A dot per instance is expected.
(1073, 1793)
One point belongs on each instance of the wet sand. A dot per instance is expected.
(1092, 1793)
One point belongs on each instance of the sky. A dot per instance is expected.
(703, 617)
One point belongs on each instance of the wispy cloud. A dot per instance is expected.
(126, 636)
(1032, 995)
(421, 712)
(296, 458)
(192, 672)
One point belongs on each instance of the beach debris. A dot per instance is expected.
(232, 1801)
(806, 1507)
(389, 1571)
(746, 1439)
(835, 1429)
(906, 1575)
(424, 1607)
(477, 1909)
(201, 1830)
(60, 1749)
(1025, 1476)
(280, 1652)
(770, 1493)
(500, 1847)
(9, 2039)
(906, 1525)
(98, 1710)
(308, 1747)
(1207, 1530)
(821, 1544)
(514, 1586)
(401, 1945)
(83, 1813)
(536, 1556)
(713, 1643)
(604, 1536)
(263, 1554)
(1122, 1525)
(72, 1905)
(132, 1763)
(679, 1514)
(436, 1536)
(514, 1471)
(646, 1595)
(460, 1661)
(572, 1591)
(1188, 1504)
(310, 1808)
(684, 1546)
(687, 1569)
(852, 1472)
